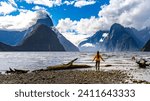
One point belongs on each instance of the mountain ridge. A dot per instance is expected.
(14, 38)
(42, 39)
(119, 38)
(52, 41)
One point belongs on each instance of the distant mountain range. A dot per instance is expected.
(118, 38)
(41, 36)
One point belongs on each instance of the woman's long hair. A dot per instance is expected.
(98, 56)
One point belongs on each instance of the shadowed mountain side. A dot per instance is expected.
(65, 42)
(42, 38)
(12, 37)
(147, 46)
(46, 20)
(121, 39)
(118, 38)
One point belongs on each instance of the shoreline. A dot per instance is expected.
(67, 77)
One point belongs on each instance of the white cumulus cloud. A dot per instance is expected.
(21, 22)
(38, 8)
(13, 3)
(130, 13)
(81, 29)
(6, 8)
(49, 3)
(66, 25)
(69, 2)
(84, 26)
(81, 3)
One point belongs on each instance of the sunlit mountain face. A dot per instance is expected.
(88, 24)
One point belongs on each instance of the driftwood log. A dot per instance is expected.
(142, 63)
(69, 65)
(17, 71)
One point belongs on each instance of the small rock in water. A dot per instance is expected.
(108, 65)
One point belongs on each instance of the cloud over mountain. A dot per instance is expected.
(78, 29)
(84, 26)
(21, 22)
(129, 13)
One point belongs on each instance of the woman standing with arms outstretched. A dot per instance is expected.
(97, 59)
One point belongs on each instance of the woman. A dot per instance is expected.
(98, 58)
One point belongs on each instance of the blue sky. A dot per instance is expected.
(75, 19)
(76, 13)
(62, 11)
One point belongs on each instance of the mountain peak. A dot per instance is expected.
(119, 38)
(42, 38)
(15, 37)
(116, 26)
(44, 18)
(42, 14)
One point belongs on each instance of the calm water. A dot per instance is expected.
(38, 60)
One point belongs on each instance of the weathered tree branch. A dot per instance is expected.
(69, 65)
(142, 63)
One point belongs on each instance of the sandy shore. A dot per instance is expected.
(65, 77)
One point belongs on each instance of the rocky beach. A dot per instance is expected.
(66, 77)
(70, 77)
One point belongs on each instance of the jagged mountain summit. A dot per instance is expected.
(42, 38)
(121, 39)
(38, 37)
(118, 38)
(14, 37)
